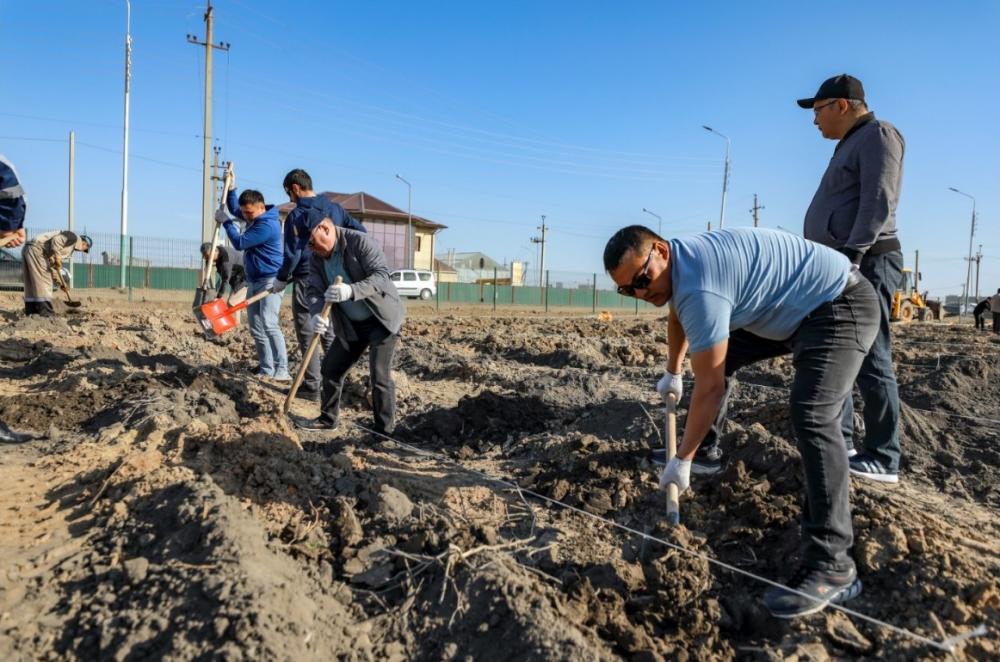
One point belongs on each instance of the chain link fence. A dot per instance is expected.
(559, 289)
(174, 264)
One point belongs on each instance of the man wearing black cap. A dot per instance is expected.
(854, 211)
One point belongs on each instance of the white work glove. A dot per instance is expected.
(337, 293)
(677, 471)
(670, 383)
(318, 324)
(222, 215)
(278, 286)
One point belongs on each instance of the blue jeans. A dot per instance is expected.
(264, 328)
(877, 378)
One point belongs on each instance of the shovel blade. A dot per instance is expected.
(216, 317)
(202, 295)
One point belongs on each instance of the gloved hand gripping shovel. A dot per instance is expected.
(313, 344)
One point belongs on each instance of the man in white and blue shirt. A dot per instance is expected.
(741, 296)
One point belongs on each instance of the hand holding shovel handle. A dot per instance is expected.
(300, 375)
(673, 495)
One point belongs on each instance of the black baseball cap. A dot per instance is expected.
(838, 87)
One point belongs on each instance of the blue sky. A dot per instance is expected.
(497, 113)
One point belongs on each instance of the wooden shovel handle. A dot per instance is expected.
(207, 269)
(313, 344)
(246, 302)
(673, 495)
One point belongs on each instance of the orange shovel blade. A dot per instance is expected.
(216, 318)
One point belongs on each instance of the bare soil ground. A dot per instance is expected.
(168, 509)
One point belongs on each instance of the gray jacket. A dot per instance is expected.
(854, 208)
(365, 263)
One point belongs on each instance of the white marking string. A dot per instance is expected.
(948, 645)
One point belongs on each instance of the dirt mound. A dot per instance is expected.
(173, 512)
(181, 570)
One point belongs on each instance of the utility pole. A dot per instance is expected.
(968, 272)
(217, 188)
(755, 211)
(207, 224)
(979, 257)
(69, 201)
(123, 263)
(541, 241)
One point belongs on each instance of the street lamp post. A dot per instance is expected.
(968, 271)
(659, 221)
(123, 265)
(725, 176)
(409, 222)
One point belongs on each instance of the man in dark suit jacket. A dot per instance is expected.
(367, 314)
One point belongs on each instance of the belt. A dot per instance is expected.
(854, 277)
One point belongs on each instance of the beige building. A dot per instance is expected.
(388, 225)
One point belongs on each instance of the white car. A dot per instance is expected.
(414, 283)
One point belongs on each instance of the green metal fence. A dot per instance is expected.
(560, 290)
(173, 264)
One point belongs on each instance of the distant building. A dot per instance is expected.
(388, 225)
(475, 266)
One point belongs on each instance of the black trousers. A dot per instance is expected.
(343, 354)
(996, 322)
(877, 377)
(981, 321)
(300, 319)
(827, 351)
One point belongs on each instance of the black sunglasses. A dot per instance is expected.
(641, 280)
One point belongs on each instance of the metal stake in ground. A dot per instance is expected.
(673, 495)
(313, 344)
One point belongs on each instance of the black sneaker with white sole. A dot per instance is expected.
(705, 463)
(811, 591)
(866, 466)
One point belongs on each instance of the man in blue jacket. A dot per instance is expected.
(261, 246)
(309, 210)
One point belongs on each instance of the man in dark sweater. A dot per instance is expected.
(309, 210)
(230, 273)
(854, 212)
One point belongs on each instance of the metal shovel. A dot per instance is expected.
(216, 317)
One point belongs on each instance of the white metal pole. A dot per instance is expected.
(69, 201)
(128, 85)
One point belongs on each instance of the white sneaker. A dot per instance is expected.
(872, 469)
